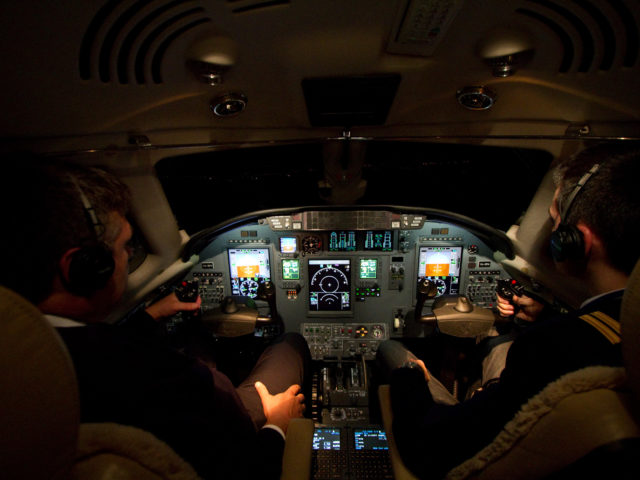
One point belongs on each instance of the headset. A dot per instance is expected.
(91, 266)
(567, 241)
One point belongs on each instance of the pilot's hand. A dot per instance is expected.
(529, 308)
(421, 364)
(170, 305)
(281, 408)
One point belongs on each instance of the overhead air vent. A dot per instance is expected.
(244, 6)
(350, 101)
(127, 39)
(582, 49)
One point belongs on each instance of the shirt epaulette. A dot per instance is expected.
(606, 325)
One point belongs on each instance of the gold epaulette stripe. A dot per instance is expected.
(609, 334)
(611, 323)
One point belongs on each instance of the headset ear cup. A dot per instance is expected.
(90, 269)
(567, 243)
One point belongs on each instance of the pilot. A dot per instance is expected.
(595, 216)
(68, 253)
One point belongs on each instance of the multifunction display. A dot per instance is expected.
(326, 439)
(368, 268)
(370, 439)
(290, 269)
(248, 268)
(329, 285)
(442, 266)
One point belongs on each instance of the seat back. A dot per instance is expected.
(41, 436)
(582, 421)
(38, 395)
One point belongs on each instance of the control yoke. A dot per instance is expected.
(426, 291)
(234, 320)
(267, 292)
(454, 314)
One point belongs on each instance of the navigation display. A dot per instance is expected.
(248, 267)
(442, 266)
(329, 285)
(370, 439)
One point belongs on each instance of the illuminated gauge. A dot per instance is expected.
(311, 244)
(377, 331)
(441, 285)
(472, 249)
(249, 288)
(329, 280)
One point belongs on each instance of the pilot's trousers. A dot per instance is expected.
(284, 363)
(392, 354)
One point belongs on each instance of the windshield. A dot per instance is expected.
(490, 184)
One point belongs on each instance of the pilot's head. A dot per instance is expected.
(598, 190)
(68, 233)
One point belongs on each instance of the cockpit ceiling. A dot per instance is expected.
(116, 67)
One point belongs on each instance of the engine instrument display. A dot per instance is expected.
(248, 267)
(442, 266)
(329, 285)
(378, 240)
(342, 241)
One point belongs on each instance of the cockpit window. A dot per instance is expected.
(136, 247)
(490, 184)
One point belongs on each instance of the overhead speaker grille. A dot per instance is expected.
(584, 49)
(126, 40)
(244, 6)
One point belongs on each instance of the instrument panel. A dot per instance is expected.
(347, 279)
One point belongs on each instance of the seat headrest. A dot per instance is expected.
(39, 397)
(630, 329)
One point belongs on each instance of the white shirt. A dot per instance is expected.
(62, 322)
(593, 299)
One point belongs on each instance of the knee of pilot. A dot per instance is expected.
(296, 340)
(387, 346)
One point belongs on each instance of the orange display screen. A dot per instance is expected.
(437, 270)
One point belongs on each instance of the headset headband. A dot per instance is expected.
(89, 211)
(581, 183)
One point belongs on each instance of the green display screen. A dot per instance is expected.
(291, 269)
(368, 268)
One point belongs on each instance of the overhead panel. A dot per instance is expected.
(420, 26)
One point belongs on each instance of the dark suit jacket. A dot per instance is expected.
(125, 377)
(432, 438)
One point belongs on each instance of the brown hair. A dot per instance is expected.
(609, 202)
(46, 216)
